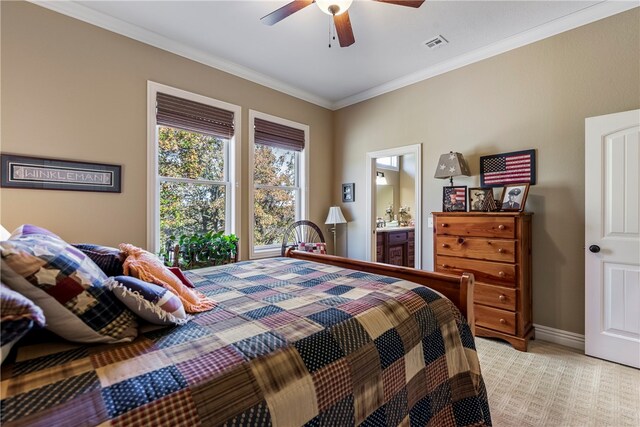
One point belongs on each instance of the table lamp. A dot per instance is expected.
(450, 165)
(335, 217)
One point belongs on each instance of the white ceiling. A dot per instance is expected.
(293, 56)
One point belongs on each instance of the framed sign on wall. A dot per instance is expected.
(54, 174)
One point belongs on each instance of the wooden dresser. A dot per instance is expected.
(396, 246)
(496, 248)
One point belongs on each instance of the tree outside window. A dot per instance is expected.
(193, 182)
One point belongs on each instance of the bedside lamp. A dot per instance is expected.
(450, 165)
(335, 217)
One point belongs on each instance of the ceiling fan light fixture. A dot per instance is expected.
(334, 7)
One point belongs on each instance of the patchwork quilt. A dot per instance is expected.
(290, 343)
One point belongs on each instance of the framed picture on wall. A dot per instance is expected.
(514, 197)
(454, 199)
(349, 192)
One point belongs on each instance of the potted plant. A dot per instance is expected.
(199, 250)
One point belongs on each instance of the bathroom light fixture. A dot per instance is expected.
(380, 179)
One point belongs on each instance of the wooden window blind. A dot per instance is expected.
(278, 135)
(185, 114)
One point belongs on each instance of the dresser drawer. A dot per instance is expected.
(397, 237)
(502, 227)
(494, 318)
(495, 296)
(478, 248)
(484, 271)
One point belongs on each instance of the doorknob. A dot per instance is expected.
(594, 248)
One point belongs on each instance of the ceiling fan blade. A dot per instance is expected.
(286, 10)
(409, 3)
(344, 30)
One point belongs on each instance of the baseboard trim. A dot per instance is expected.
(558, 336)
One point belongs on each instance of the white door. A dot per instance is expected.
(612, 237)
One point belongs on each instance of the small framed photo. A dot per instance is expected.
(349, 192)
(514, 197)
(454, 199)
(480, 199)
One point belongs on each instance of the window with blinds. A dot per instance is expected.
(278, 197)
(193, 180)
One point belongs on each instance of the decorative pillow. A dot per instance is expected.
(153, 303)
(4, 233)
(146, 266)
(29, 229)
(180, 275)
(108, 259)
(17, 316)
(68, 286)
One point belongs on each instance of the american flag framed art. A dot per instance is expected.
(454, 199)
(499, 170)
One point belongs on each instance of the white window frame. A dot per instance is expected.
(232, 164)
(302, 208)
(393, 165)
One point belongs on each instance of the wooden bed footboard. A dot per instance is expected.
(459, 289)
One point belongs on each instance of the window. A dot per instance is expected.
(192, 164)
(278, 180)
(390, 163)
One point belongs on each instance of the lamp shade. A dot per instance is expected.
(450, 165)
(335, 216)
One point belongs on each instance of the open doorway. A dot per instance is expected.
(394, 206)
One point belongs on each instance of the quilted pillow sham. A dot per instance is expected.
(68, 286)
(17, 316)
(151, 302)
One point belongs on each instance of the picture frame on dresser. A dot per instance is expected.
(480, 198)
(514, 197)
(454, 199)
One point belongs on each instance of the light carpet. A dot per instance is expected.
(552, 385)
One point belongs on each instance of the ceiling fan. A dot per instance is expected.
(336, 8)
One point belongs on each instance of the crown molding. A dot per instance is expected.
(577, 19)
(585, 16)
(83, 13)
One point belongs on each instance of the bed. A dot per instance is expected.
(300, 340)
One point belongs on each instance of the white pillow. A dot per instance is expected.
(4, 233)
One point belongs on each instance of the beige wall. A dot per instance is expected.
(74, 91)
(537, 97)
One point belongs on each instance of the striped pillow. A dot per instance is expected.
(151, 302)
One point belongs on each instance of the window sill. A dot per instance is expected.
(265, 253)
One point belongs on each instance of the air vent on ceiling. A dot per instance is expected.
(436, 42)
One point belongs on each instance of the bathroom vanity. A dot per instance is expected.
(395, 245)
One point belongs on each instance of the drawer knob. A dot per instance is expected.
(501, 227)
(502, 298)
(504, 322)
(444, 224)
(445, 266)
(444, 245)
(500, 250)
(460, 241)
(501, 274)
